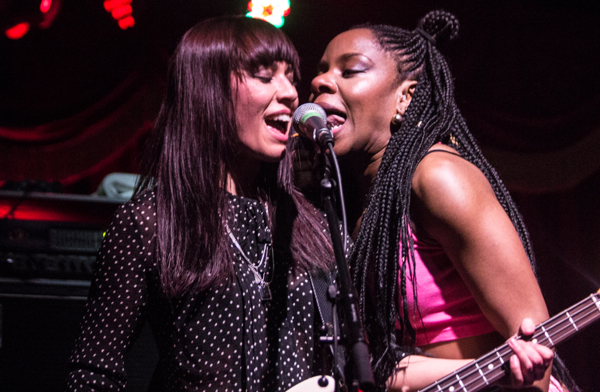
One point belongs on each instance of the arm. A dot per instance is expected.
(416, 372)
(113, 312)
(455, 206)
(528, 364)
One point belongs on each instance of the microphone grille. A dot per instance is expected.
(308, 108)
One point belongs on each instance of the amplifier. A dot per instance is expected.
(48, 245)
(46, 249)
(51, 235)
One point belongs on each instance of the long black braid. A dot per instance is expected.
(431, 117)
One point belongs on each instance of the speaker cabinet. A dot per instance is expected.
(39, 322)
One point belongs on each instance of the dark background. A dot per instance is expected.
(77, 99)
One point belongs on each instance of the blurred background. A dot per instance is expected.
(81, 83)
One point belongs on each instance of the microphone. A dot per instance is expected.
(311, 118)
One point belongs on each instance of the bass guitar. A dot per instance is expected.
(491, 367)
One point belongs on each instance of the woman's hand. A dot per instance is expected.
(529, 364)
(303, 163)
(530, 361)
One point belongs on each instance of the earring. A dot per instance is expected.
(403, 97)
(397, 119)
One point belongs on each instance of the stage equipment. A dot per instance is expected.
(51, 236)
(310, 121)
(48, 246)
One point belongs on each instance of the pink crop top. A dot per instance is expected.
(446, 305)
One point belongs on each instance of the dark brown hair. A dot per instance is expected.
(193, 147)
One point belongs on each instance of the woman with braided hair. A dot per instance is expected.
(442, 261)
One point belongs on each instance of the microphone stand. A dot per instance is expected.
(356, 344)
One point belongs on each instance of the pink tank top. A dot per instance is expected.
(446, 309)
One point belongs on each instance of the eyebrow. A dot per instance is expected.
(344, 57)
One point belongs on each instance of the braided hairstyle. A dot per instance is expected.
(431, 117)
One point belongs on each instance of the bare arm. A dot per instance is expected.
(455, 206)
(529, 363)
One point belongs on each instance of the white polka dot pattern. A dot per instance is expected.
(225, 339)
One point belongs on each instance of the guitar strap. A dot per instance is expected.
(320, 282)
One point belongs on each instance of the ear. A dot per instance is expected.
(404, 95)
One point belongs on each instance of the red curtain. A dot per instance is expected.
(79, 150)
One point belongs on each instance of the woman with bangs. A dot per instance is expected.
(216, 248)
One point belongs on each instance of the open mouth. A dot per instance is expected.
(279, 122)
(335, 119)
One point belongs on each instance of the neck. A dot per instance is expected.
(358, 175)
(241, 179)
(372, 166)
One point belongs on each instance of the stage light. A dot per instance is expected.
(17, 31)
(272, 11)
(45, 6)
(23, 16)
(121, 11)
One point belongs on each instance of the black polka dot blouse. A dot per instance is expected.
(224, 339)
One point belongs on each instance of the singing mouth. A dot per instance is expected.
(335, 121)
(279, 122)
(335, 117)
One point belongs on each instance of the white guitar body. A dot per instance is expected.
(312, 385)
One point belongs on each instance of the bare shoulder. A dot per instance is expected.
(448, 185)
(444, 172)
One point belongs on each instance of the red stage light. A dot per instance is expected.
(45, 6)
(17, 31)
(121, 11)
(126, 22)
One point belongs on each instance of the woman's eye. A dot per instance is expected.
(264, 79)
(350, 72)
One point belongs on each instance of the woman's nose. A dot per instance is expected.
(323, 84)
(286, 91)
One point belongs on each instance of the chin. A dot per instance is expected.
(341, 148)
(274, 156)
